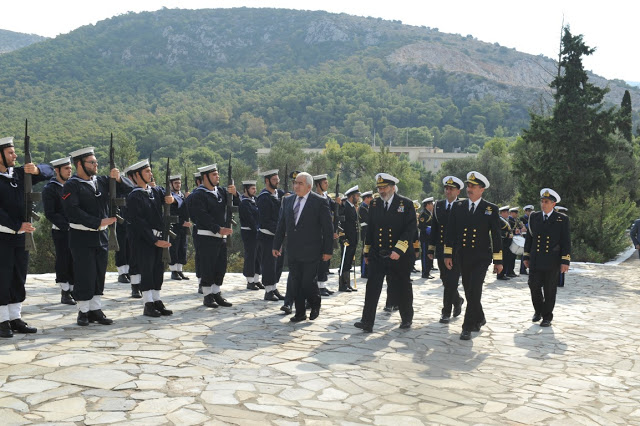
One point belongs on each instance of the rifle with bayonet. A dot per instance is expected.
(167, 219)
(186, 181)
(336, 212)
(229, 213)
(286, 179)
(114, 202)
(30, 197)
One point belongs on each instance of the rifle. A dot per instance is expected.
(114, 202)
(229, 212)
(336, 212)
(167, 219)
(186, 181)
(286, 179)
(30, 197)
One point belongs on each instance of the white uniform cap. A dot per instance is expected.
(352, 190)
(528, 207)
(197, 175)
(207, 169)
(83, 152)
(452, 181)
(383, 179)
(427, 200)
(550, 194)
(316, 178)
(367, 194)
(514, 209)
(249, 182)
(6, 142)
(61, 162)
(503, 208)
(138, 166)
(561, 209)
(175, 177)
(269, 173)
(477, 178)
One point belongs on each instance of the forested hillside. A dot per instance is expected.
(196, 85)
(10, 40)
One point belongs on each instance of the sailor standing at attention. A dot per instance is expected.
(178, 249)
(249, 223)
(52, 202)
(85, 200)
(144, 214)
(15, 259)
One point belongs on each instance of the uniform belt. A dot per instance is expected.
(7, 230)
(246, 228)
(266, 231)
(363, 224)
(80, 227)
(157, 233)
(210, 233)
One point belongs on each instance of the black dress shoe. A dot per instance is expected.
(368, 328)
(135, 291)
(160, 307)
(5, 329)
(260, 286)
(315, 312)
(465, 335)
(270, 296)
(221, 300)
(444, 319)
(83, 319)
(124, 279)
(199, 289)
(457, 310)
(329, 291)
(298, 318)
(545, 323)
(175, 275)
(536, 317)
(406, 324)
(324, 292)
(209, 301)
(150, 310)
(252, 286)
(504, 278)
(286, 309)
(344, 288)
(66, 298)
(512, 275)
(99, 317)
(479, 325)
(277, 294)
(387, 309)
(524, 273)
(19, 326)
(353, 289)
(183, 276)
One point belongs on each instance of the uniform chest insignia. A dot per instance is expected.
(488, 211)
(422, 219)
(401, 208)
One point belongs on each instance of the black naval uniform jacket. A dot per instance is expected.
(391, 230)
(86, 203)
(144, 214)
(179, 209)
(209, 212)
(12, 202)
(363, 216)
(52, 203)
(471, 235)
(425, 221)
(440, 220)
(269, 207)
(249, 217)
(547, 245)
(350, 223)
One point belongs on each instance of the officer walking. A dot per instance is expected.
(86, 204)
(472, 235)
(425, 226)
(53, 210)
(507, 236)
(350, 239)
(249, 223)
(15, 259)
(178, 249)
(363, 217)
(268, 203)
(321, 184)
(392, 225)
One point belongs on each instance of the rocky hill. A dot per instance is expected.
(10, 40)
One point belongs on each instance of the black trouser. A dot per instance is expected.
(64, 261)
(426, 263)
(178, 249)
(122, 255)
(506, 258)
(89, 267)
(398, 273)
(450, 279)
(301, 277)
(323, 268)
(473, 273)
(13, 274)
(544, 286)
(268, 263)
(251, 265)
(511, 261)
(213, 260)
(150, 266)
(196, 243)
(348, 252)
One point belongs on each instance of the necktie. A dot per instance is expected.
(296, 209)
(386, 205)
(473, 208)
(448, 208)
(545, 218)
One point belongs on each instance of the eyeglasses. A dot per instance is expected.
(91, 162)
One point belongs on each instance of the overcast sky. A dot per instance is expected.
(531, 27)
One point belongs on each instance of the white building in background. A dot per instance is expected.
(430, 158)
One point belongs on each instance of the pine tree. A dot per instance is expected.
(625, 120)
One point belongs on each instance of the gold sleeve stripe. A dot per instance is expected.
(525, 254)
(498, 255)
(367, 248)
(432, 248)
(448, 250)
(402, 246)
(416, 244)
(567, 257)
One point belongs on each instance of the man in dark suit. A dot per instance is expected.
(392, 226)
(306, 221)
(350, 238)
(363, 217)
(547, 253)
(473, 233)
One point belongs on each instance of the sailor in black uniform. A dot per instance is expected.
(53, 210)
(392, 226)
(15, 259)
(321, 184)
(528, 209)
(178, 249)
(350, 239)
(506, 234)
(472, 235)
(86, 203)
(363, 217)
(249, 223)
(197, 176)
(208, 210)
(144, 214)
(425, 225)
(268, 203)
(547, 253)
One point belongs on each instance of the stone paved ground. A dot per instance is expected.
(249, 365)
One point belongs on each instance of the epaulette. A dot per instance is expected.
(374, 202)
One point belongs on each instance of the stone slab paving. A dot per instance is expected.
(248, 365)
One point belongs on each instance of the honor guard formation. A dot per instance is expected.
(148, 226)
